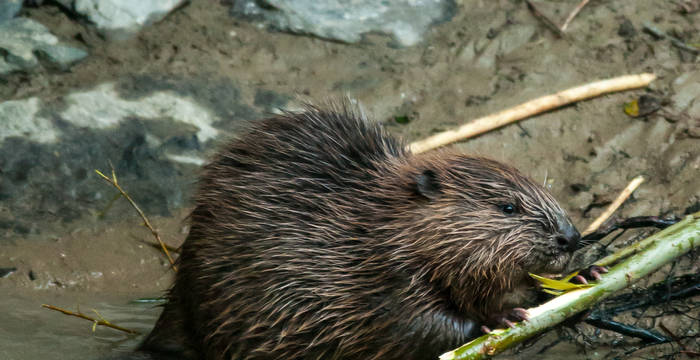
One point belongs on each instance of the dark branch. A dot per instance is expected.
(629, 223)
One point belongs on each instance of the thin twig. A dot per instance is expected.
(530, 108)
(659, 34)
(626, 192)
(547, 21)
(115, 183)
(573, 15)
(101, 321)
(675, 338)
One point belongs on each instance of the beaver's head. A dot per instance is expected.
(482, 226)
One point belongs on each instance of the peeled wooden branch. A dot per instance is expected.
(532, 107)
(626, 193)
(655, 251)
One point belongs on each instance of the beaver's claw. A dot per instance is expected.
(506, 319)
(591, 273)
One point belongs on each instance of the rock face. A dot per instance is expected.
(154, 131)
(26, 44)
(121, 19)
(347, 21)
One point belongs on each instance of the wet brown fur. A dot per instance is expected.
(318, 236)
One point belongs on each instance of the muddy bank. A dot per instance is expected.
(70, 243)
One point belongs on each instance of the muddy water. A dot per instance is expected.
(93, 266)
(29, 331)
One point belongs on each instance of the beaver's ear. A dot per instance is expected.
(428, 185)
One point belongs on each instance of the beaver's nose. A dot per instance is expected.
(568, 236)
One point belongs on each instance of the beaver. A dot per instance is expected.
(317, 235)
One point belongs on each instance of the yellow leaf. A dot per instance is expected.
(570, 276)
(553, 292)
(559, 286)
(632, 108)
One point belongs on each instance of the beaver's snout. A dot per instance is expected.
(568, 237)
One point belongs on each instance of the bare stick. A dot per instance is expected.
(626, 193)
(95, 322)
(573, 14)
(532, 107)
(115, 183)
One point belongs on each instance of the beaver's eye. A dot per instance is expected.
(508, 209)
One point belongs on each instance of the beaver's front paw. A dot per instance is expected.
(505, 319)
(592, 273)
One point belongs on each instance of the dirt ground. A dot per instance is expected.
(490, 56)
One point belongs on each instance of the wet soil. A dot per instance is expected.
(492, 55)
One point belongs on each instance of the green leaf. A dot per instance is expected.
(402, 119)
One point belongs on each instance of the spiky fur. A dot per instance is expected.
(312, 239)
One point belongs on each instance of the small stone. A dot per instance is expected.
(648, 104)
(9, 9)
(121, 19)
(645, 105)
(626, 29)
(7, 271)
(23, 39)
(60, 56)
(405, 20)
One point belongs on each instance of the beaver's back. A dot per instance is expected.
(329, 145)
(278, 242)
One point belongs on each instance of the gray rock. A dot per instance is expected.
(156, 131)
(25, 42)
(348, 20)
(121, 19)
(9, 9)
(19, 118)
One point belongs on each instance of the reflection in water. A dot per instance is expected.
(28, 331)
